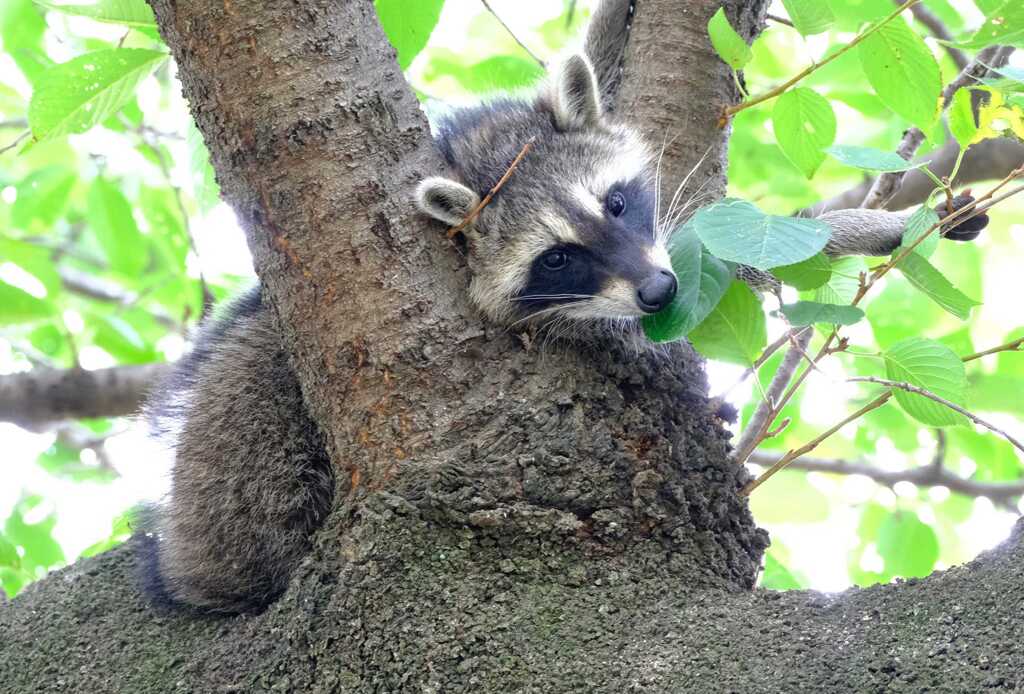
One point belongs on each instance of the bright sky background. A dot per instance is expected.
(86, 510)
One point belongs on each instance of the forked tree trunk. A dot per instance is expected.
(507, 518)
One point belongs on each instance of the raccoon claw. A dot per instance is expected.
(967, 230)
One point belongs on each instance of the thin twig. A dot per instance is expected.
(17, 141)
(924, 476)
(759, 362)
(766, 412)
(497, 186)
(1011, 346)
(779, 20)
(939, 31)
(942, 401)
(811, 445)
(512, 33)
(776, 91)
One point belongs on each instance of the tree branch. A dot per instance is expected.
(886, 185)
(985, 161)
(925, 476)
(934, 24)
(35, 398)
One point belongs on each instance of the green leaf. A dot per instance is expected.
(21, 25)
(18, 306)
(809, 16)
(110, 218)
(133, 13)
(66, 463)
(777, 577)
(871, 159)
(703, 279)
(408, 25)
(925, 277)
(934, 367)
(35, 260)
(1004, 24)
(39, 549)
(734, 331)
(204, 184)
(121, 340)
(842, 286)
(804, 125)
(909, 547)
(727, 43)
(42, 197)
(807, 274)
(903, 72)
(918, 224)
(76, 95)
(810, 312)
(736, 230)
(961, 118)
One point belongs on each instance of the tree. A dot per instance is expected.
(582, 530)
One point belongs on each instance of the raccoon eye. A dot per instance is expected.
(616, 203)
(555, 260)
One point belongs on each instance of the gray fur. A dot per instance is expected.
(251, 480)
(864, 232)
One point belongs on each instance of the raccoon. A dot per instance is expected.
(573, 235)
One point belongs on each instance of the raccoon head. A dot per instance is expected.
(572, 232)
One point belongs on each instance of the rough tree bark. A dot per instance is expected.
(506, 519)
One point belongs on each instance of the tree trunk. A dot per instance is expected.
(507, 518)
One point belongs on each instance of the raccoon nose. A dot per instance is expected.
(656, 292)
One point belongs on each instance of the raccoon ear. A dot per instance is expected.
(445, 199)
(575, 96)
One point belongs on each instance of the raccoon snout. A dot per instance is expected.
(656, 292)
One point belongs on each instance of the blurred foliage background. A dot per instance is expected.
(113, 240)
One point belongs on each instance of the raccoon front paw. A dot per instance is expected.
(966, 230)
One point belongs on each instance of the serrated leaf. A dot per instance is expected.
(133, 13)
(842, 286)
(810, 312)
(903, 72)
(871, 159)
(74, 96)
(908, 547)
(729, 45)
(807, 274)
(804, 126)
(18, 306)
(961, 118)
(930, 365)
(734, 331)
(703, 279)
(925, 277)
(408, 25)
(736, 230)
(110, 219)
(809, 16)
(917, 225)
